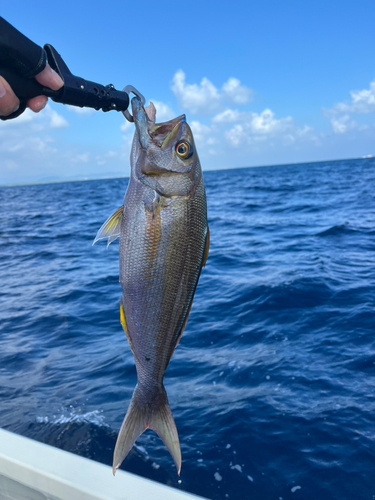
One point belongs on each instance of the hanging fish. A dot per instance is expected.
(164, 240)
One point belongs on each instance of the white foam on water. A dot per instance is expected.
(42, 420)
(237, 467)
(141, 449)
(94, 417)
(250, 479)
(155, 466)
(217, 476)
(295, 488)
(228, 446)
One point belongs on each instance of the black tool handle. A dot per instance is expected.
(76, 91)
(80, 92)
(21, 59)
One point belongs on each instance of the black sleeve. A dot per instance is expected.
(19, 53)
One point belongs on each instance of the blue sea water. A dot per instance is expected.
(272, 385)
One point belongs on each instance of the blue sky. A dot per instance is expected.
(260, 82)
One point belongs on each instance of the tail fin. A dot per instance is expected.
(147, 410)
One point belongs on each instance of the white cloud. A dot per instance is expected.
(29, 133)
(249, 126)
(82, 158)
(340, 124)
(163, 111)
(27, 116)
(126, 126)
(304, 131)
(256, 128)
(55, 120)
(200, 131)
(103, 159)
(266, 123)
(237, 93)
(81, 111)
(362, 102)
(28, 146)
(202, 98)
(235, 135)
(205, 98)
(247, 130)
(227, 116)
(211, 141)
(48, 118)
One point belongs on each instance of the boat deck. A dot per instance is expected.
(30, 470)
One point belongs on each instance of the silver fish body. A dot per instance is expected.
(164, 242)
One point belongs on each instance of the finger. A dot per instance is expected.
(9, 102)
(49, 78)
(36, 104)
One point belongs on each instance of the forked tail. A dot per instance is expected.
(147, 409)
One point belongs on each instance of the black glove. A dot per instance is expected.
(21, 60)
(21, 55)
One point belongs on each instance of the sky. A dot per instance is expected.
(261, 83)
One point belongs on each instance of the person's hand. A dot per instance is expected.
(22, 58)
(9, 101)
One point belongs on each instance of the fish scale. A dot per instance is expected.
(164, 243)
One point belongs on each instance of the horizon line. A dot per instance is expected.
(86, 179)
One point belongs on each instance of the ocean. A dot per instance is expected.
(272, 386)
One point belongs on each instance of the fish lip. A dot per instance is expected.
(140, 120)
(137, 107)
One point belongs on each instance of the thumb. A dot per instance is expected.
(49, 78)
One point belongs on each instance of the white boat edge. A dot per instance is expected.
(36, 471)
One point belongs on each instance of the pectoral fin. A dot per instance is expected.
(111, 228)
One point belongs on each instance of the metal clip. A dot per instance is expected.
(128, 89)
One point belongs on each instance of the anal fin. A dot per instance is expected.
(206, 247)
(125, 328)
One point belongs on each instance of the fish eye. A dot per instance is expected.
(184, 150)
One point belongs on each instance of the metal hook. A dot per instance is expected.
(128, 89)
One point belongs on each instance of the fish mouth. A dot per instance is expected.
(153, 169)
(148, 130)
(162, 135)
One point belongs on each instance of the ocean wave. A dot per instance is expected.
(271, 385)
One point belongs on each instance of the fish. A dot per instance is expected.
(164, 243)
